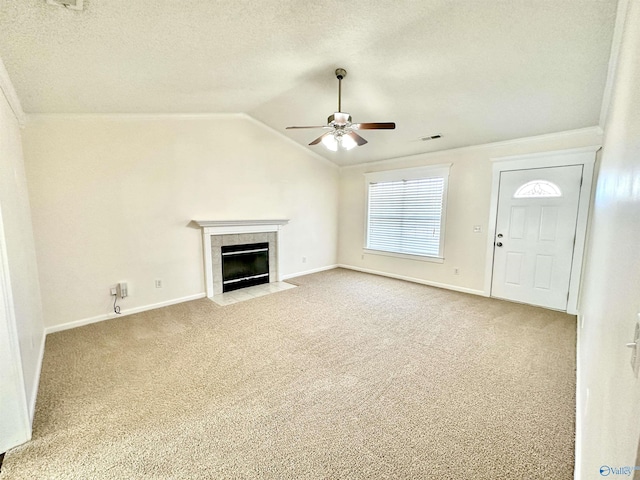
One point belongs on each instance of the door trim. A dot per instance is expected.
(585, 156)
(16, 399)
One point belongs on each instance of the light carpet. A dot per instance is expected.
(347, 376)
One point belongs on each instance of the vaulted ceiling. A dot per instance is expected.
(474, 71)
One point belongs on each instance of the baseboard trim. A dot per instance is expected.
(446, 286)
(123, 313)
(99, 318)
(309, 272)
(36, 379)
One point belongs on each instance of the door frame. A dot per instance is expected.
(15, 401)
(585, 156)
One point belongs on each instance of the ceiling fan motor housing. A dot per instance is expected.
(339, 118)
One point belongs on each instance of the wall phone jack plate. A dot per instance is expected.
(122, 289)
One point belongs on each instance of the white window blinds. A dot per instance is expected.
(406, 216)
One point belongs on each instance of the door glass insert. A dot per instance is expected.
(538, 189)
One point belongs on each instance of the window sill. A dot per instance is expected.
(420, 258)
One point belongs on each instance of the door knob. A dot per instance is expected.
(499, 244)
(499, 235)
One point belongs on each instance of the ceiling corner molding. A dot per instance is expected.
(616, 42)
(308, 151)
(595, 130)
(131, 116)
(552, 153)
(10, 94)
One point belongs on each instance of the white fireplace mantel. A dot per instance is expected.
(228, 227)
(224, 227)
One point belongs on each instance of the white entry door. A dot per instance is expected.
(535, 233)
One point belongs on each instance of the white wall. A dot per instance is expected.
(467, 205)
(21, 325)
(608, 394)
(113, 196)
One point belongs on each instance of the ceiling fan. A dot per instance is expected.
(342, 133)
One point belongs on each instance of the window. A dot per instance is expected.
(406, 211)
(537, 189)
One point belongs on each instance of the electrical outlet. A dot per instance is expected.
(477, 229)
(304, 259)
(158, 283)
(456, 271)
(114, 291)
(123, 291)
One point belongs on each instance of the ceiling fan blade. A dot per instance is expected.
(314, 126)
(319, 139)
(358, 139)
(374, 126)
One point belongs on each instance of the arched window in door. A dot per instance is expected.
(538, 189)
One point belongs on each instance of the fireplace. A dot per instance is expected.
(219, 234)
(244, 265)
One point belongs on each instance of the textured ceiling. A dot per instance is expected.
(475, 71)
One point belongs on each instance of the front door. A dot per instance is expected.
(535, 233)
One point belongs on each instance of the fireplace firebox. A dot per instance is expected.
(244, 265)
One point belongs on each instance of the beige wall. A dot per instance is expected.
(23, 291)
(112, 198)
(609, 394)
(467, 205)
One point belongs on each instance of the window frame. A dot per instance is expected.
(430, 171)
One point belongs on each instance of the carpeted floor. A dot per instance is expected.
(348, 376)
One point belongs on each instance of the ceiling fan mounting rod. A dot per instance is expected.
(340, 74)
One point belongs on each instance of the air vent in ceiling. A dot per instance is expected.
(70, 4)
(430, 137)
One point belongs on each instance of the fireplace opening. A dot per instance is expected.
(244, 265)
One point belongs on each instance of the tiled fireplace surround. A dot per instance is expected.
(219, 233)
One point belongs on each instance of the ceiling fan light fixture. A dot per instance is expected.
(347, 142)
(331, 142)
